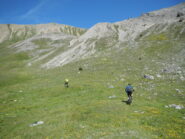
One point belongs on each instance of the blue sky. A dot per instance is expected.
(79, 13)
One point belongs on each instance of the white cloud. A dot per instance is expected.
(34, 9)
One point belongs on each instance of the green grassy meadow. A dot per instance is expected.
(84, 110)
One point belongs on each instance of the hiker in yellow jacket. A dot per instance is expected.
(66, 83)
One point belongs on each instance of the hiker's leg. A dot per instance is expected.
(66, 85)
(127, 94)
(130, 97)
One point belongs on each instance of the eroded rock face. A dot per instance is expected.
(4, 32)
(100, 30)
(9, 31)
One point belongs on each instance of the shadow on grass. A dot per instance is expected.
(128, 102)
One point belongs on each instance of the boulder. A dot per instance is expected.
(179, 14)
(112, 96)
(178, 107)
(149, 77)
(158, 76)
(36, 123)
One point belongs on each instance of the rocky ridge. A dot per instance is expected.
(116, 33)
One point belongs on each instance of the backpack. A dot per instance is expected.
(129, 88)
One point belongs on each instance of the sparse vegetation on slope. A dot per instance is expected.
(85, 110)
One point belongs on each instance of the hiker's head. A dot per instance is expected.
(66, 80)
(129, 84)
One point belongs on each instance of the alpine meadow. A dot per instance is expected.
(147, 51)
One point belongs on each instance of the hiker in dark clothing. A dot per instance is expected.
(129, 90)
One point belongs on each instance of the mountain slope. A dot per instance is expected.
(38, 41)
(112, 35)
(79, 44)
